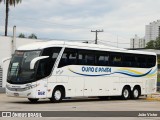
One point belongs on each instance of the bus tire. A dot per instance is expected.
(33, 100)
(135, 93)
(125, 93)
(57, 95)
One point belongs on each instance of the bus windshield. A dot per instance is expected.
(19, 70)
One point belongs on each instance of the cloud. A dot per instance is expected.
(74, 19)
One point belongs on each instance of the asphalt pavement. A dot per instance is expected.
(81, 104)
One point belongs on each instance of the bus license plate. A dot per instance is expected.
(16, 94)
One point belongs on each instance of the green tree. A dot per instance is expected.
(21, 35)
(32, 36)
(11, 3)
(151, 44)
(157, 43)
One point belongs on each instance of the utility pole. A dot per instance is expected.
(14, 40)
(96, 31)
(133, 43)
(117, 41)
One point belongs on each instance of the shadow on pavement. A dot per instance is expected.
(71, 100)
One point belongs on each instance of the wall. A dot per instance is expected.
(5, 47)
(6, 50)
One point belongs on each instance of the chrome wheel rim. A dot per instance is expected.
(126, 93)
(135, 93)
(57, 95)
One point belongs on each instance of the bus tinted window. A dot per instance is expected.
(151, 61)
(45, 65)
(86, 57)
(116, 59)
(141, 60)
(102, 58)
(69, 57)
(128, 60)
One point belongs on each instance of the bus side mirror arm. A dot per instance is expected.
(33, 62)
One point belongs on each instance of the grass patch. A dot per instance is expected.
(158, 79)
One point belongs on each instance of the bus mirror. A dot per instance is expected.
(33, 62)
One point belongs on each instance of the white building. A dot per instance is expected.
(152, 31)
(137, 42)
(7, 47)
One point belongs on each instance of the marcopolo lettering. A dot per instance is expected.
(96, 69)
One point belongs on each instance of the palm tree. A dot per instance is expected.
(11, 3)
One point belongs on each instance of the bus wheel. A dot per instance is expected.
(33, 100)
(125, 93)
(57, 95)
(135, 93)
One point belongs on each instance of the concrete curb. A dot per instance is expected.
(155, 96)
(156, 99)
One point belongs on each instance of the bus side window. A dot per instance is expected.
(46, 65)
(89, 59)
(135, 61)
(127, 60)
(142, 61)
(69, 57)
(81, 59)
(86, 57)
(102, 59)
(63, 61)
(116, 60)
(72, 58)
(54, 56)
(151, 61)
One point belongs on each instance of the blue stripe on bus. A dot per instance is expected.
(120, 72)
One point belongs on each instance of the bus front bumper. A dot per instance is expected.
(25, 91)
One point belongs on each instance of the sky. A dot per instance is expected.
(74, 19)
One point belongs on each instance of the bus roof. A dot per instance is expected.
(46, 44)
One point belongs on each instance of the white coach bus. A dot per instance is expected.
(57, 70)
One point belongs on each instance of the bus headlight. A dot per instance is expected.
(30, 86)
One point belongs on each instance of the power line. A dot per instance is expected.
(60, 39)
(71, 26)
(64, 25)
(112, 42)
(107, 44)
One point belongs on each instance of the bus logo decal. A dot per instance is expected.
(96, 69)
(107, 71)
(41, 93)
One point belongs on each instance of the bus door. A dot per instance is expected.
(68, 67)
(44, 70)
